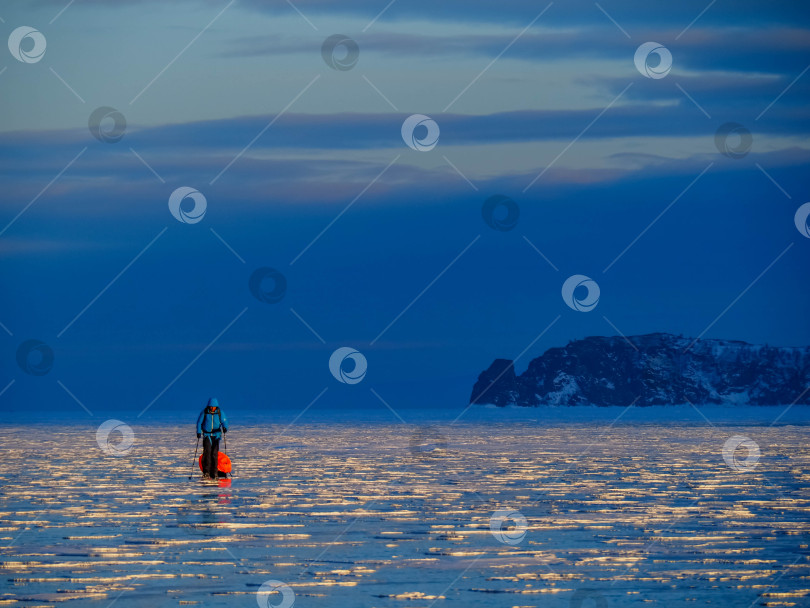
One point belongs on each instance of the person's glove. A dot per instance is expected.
(224, 430)
(199, 435)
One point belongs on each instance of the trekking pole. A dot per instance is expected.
(225, 439)
(197, 447)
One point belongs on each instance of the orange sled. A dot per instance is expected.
(223, 464)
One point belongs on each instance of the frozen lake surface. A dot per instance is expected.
(380, 514)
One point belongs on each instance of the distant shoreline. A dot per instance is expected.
(798, 414)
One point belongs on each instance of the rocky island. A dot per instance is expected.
(651, 369)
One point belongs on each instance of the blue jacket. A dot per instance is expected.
(209, 424)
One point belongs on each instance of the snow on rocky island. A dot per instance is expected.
(651, 369)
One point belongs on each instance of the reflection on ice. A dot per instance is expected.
(377, 515)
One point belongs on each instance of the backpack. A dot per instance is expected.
(213, 411)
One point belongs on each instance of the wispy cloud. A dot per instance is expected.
(777, 49)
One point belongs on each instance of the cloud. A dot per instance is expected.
(770, 50)
(308, 159)
(208, 146)
(121, 187)
(633, 15)
(751, 100)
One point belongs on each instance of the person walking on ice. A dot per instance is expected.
(211, 423)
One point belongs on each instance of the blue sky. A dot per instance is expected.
(617, 177)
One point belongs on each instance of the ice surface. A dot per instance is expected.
(371, 514)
